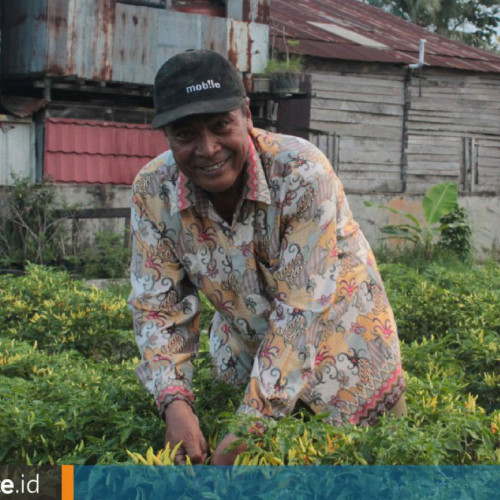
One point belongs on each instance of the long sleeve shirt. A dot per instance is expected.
(292, 277)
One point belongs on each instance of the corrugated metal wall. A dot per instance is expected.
(90, 40)
(17, 151)
(108, 41)
(144, 38)
(59, 37)
(24, 29)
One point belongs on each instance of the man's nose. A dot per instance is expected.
(207, 144)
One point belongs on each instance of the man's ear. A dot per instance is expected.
(249, 115)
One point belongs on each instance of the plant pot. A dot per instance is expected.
(285, 83)
(261, 84)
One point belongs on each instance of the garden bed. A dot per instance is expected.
(70, 394)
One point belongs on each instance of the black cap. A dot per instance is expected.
(195, 82)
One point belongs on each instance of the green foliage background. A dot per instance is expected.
(70, 394)
(473, 22)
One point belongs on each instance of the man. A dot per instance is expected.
(260, 224)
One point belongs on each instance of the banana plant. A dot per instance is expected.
(439, 200)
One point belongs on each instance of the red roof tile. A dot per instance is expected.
(88, 151)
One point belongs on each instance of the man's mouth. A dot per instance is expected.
(214, 167)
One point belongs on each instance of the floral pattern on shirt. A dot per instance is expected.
(301, 308)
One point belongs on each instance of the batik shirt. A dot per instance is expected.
(292, 278)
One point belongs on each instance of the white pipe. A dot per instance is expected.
(420, 56)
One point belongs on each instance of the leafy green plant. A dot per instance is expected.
(284, 62)
(438, 201)
(30, 229)
(60, 314)
(456, 234)
(65, 408)
(107, 258)
(292, 64)
(66, 398)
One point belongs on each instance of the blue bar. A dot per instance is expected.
(286, 483)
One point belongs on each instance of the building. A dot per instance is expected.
(391, 126)
(77, 81)
(77, 78)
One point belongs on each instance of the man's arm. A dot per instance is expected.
(165, 308)
(183, 427)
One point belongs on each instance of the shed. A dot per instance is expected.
(95, 60)
(397, 129)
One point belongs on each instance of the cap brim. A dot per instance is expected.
(197, 108)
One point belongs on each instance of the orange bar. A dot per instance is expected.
(67, 484)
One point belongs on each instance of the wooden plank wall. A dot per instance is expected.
(453, 130)
(487, 167)
(365, 110)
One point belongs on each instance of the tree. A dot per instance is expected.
(470, 21)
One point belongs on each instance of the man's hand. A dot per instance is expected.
(183, 425)
(222, 456)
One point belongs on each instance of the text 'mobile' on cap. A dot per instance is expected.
(195, 82)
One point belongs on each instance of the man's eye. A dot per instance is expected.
(183, 135)
(221, 124)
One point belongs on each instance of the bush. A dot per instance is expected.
(70, 399)
(60, 314)
(64, 408)
(108, 258)
(459, 310)
(30, 229)
(456, 235)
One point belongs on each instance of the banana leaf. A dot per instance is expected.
(439, 200)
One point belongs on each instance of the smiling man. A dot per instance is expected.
(260, 224)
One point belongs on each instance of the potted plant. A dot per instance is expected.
(285, 74)
(284, 69)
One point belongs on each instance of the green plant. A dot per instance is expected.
(458, 310)
(456, 234)
(284, 62)
(30, 229)
(60, 314)
(290, 64)
(69, 398)
(107, 258)
(438, 201)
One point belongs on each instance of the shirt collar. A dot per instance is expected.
(256, 187)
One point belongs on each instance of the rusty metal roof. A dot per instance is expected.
(352, 30)
(88, 151)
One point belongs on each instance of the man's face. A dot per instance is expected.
(211, 150)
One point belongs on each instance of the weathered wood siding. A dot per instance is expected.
(396, 132)
(365, 110)
(453, 131)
